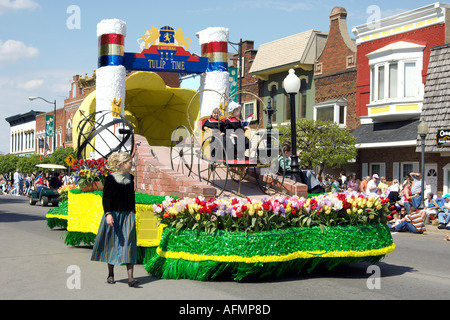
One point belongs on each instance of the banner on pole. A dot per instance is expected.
(49, 121)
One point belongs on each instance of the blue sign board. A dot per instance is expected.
(161, 54)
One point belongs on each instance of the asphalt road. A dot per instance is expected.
(36, 264)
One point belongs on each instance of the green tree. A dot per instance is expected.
(321, 144)
(28, 164)
(8, 163)
(60, 154)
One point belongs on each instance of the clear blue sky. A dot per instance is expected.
(39, 54)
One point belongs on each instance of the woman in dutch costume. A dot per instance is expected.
(214, 125)
(234, 131)
(115, 243)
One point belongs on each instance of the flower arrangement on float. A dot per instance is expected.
(64, 191)
(248, 215)
(268, 237)
(90, 172)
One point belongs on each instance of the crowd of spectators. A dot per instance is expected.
(20, 184)
(405, 199)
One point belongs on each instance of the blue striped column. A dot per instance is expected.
(214, 43)
(111, 75)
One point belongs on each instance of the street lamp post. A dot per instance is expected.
(292, 86)
(422, 130)
(54, 118)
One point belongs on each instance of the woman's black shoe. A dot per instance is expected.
(133, 283)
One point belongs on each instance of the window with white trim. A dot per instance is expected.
(249, 108)
(396, 72)
(378, 168)
(334, 111)
(407, 167)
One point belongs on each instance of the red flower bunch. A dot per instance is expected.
(89, 171)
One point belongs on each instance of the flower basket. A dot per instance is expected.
(90, 174)
(92, 186)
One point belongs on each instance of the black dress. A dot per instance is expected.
(117, 245)
(233, 135)
(215, 126)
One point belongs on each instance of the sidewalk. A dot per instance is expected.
(434, 229)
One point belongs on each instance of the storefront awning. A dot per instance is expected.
(386, 134)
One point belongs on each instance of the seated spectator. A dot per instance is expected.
(411, 223)
(54, 182)
(372, 185)
(440, 200)
(336, 185)
(327, 183)
(382, 186)
(394, 187)
(394, 200)
(285, 162)
(41, 183)
(395, 221)
(444, 215)
(431, 207)
(343, 180)
(363, 185)
(352, 184)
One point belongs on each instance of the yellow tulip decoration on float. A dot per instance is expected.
(154, 109)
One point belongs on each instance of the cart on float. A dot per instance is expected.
(202, 154)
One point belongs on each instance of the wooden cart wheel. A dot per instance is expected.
(269, 176)
(213, 165)
(238, 174)
(181, 151)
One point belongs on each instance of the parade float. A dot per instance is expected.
(202, 239)
(270, 237)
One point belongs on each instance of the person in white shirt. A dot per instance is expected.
(444, 215)
(15, 191)
(372, 185)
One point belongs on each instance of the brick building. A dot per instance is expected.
(246, 83)
(392, 67)
(79, 89)
(335, 75)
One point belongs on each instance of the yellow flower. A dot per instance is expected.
(360, 211)
(349, 211)
(371, 216)
(197, 217)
